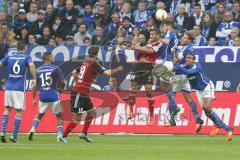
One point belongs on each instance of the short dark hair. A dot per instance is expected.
(21, 45)
(197, 5)
(190, 35)
(193, 55)
(168, 22)
(45, 55)
(155, 30)
(93, 51)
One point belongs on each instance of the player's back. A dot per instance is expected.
(198, 80)
(48, 78)
(16, 68)
(166, 48)
(87, 73)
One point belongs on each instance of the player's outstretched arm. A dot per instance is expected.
(143, 49)
(110, 72)
(187, 71)
(238, 88)
(164, 40)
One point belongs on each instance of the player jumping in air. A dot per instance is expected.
(48, 78)
(168, 39)
(142, 72)
(180, 82)
(17, 64)
(80, 101)
(204, 91)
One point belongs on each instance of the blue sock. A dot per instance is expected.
(4, 124)
(194, 110)
(219, 123)
(171, 100)
(35, 124)
(60, 130)
(17, 123)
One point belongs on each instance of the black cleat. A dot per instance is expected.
(199, 126)
(3, 139)
(12, 139)
(30, 136)
(86, 138)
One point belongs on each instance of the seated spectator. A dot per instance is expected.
(99, 39)
(212, 41)
(52, 42)
(86, 41)
(32, 40)
(142, 39)
(117, 7)
(69, 40)
(181, 19)
(126, 12)
(69, 13)
(191, 4)
(110, 30)
(199, 40)
(127, 27)
(37, 26)
(112, 85)
(236, 41)
(50, 14)
(104, 4)
(236, 11)
(74, 27)
(46, 35)
(32, 15)
(141, 15)
(219, 15)
(234, 33)
(136, 32)
(208, 26)
(20, 22)
(224, 29)
(173, 6)
(197, 15)
(59, 40)
(3, 18)
(81, 34)
(58, 27)
(13, 12)
(101, 18)
(23, 36)
(88, 15)
(6, 36)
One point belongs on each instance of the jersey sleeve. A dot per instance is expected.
(182, 70)
(4, 61)
(156, 47)
(28, 59)
(98, 68)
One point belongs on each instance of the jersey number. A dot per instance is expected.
(82, 72)
(16, 67)
(46, 79)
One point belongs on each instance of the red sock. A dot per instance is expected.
(132, 100)
(69, 128)
(151, 105)
(87, 123)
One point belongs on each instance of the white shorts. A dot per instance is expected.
(56, 107)
(180, 83)
(15, 99)
(208, 92)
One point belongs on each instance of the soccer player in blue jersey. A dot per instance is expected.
(204, 91)
(168, 39)
(49, 78)
(15, 88)
(180, 82)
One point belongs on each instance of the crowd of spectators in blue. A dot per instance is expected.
(104, 22)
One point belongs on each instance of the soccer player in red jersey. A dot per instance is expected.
(80, 101)
(142, 72)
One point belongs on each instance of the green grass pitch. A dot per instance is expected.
(123, 147)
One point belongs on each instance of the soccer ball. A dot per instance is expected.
(161, 15)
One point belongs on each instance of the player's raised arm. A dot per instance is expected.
(143, 49)
(110, 72)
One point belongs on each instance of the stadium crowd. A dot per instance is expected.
(103, 22)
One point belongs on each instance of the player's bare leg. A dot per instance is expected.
(5, 118)
(35, 124)
(132, 99)
(17, 124)
(148, 89)
(88, 120)
(73, 124)
(192, 104)
(216, 120)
